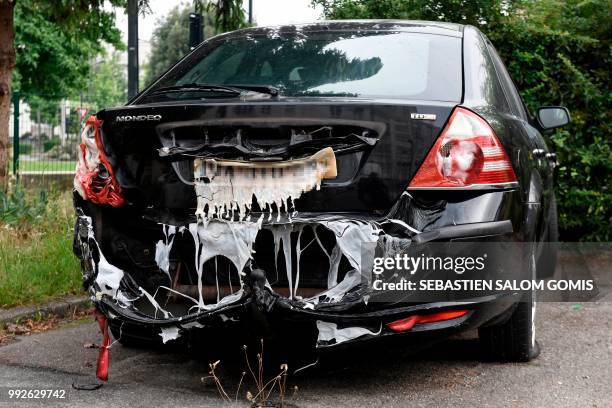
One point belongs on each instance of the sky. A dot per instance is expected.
(265, 12)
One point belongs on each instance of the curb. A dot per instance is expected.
(61, 307)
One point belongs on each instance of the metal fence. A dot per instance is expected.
(44, 137)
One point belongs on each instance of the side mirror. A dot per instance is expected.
(552, 117)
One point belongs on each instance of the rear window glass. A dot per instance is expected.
(360, 64)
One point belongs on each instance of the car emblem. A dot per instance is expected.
(423, 116)
(138, 118)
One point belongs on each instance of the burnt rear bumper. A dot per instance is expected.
(247, 318)
(263, 309)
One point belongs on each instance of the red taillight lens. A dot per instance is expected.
(94, 178)
(467, 154)
(408, 323)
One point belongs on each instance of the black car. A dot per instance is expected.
(252, 184)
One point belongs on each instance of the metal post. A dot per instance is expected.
(250, 12)
(132, 11)
(15, 133)
(195, 30)
(63, 120)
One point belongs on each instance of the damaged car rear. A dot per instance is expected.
(255, 182)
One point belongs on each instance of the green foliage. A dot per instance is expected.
(50, 144)
(36, 260)
(25, 148)
(47, 110)
(56, 41)
(475, 12)
(229, 14)
(107, 86)
(170, 40)
(558, 53)
(17, 207)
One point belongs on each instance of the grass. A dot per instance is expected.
(46, 165)
(36, 260)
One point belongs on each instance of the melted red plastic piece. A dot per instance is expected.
(408, 323)
(403, 324)
(102, 368)
(97, 189)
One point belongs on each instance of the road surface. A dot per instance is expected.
(574, 370)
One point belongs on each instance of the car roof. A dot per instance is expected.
(414, 26)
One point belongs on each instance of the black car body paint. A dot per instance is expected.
(379, 145)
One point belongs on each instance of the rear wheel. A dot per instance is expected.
(514, 339)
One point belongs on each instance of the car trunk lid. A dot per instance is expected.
(377, 147)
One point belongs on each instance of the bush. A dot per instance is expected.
(18, 207)
(25, 148)
(51, 143)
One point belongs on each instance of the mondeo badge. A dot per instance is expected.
(138, 118)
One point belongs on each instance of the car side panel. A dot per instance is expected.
(486, 95)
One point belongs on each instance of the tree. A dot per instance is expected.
(54, 42)
(228, 14)
(44, 110)
(475, 12)
(558, 52)
(170, 41)
(108, 84)
(7, 62)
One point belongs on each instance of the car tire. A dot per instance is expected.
(547, 261)
(514, 339)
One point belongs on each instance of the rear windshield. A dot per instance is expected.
(359, 64)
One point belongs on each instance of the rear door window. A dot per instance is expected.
(512, 95)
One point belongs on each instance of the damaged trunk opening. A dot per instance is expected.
(203, 267)
(245, 239)
(229, 252)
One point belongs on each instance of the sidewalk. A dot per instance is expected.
(59, 307)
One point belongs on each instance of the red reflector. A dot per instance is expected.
(404, 324)
(408, 323)
(438, 317)
(466, 154)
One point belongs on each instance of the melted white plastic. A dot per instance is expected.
(329, 331)
(225, 187)
(169, 333)
(217, 237)
(109, 277)
(163, 248)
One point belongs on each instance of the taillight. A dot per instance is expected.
(467, 154)
(94, 177)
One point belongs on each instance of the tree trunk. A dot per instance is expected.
(7, 62)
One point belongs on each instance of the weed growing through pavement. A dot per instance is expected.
(264, 388)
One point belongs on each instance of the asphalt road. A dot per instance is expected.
(574, 370)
